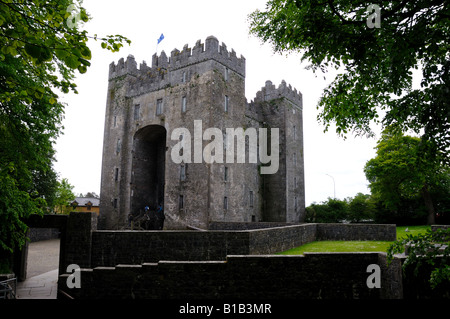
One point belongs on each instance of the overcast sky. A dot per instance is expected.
(79, 150)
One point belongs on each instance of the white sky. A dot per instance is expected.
(79, 150)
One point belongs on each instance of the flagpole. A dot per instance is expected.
(161, 37)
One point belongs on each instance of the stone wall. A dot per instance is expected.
(312, 276)
(38, 234)
(245, 226)
(382, 232)
(436, 227)
(110, 248)
(78, 238)
(273, 240)
(226, 263)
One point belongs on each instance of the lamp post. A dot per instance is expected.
(334, 185)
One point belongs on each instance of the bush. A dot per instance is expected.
(428, 255)
(331, 211)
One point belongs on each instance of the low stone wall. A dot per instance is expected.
(273, 240)
(379, 232)
(246, 225)
(312, 276)
(38, 234)
(221, 264)
(436, 227)
(110, 248)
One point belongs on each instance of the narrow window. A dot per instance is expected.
(159, 107)
(225, 202)
(181, 202)
(115, 203)
(137, 110)
(115, 121)
(251, 198)
(182, 172)
(226, 74)
(225, 174)
(295, 133)
(183, 104)
(295, 182)
(116, 175)
(226, 106)
(118, 146)
(183, 77)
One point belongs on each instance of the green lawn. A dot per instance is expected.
(354, 246)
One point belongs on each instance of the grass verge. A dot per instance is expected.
(354, 246)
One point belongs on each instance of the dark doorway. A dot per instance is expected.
(149, 159)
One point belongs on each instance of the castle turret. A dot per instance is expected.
(282, 108)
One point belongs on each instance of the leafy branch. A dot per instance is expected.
(430, 248)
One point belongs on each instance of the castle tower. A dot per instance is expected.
(282, 108)
(161, 127)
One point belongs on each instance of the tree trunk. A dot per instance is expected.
(428, 205)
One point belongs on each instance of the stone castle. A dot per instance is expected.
(205, 85)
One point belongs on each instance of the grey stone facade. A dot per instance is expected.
(146, 105)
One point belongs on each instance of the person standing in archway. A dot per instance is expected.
(160, 217)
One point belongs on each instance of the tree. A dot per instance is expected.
(360, 208)
(331, 211)
(64, 195)
(42, 47)
(377, 60)
(90, 194)
(401, 170)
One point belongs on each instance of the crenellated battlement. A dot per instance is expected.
(210, 50)
(128, 66)
(270, 92)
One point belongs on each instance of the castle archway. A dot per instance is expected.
(148, 168)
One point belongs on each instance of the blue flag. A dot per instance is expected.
(161, 38)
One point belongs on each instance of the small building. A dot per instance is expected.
(86, 204)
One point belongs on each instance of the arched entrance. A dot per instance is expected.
(148, 168)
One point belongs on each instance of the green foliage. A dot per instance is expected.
(430, 248)
(375, 85)
(360, 208)
(403, 172)
(64, 195)
(330, 211)
(42, 47)
(15, 204)
(407, 212)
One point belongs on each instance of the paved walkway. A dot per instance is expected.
(43, 286)
(42, 277)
